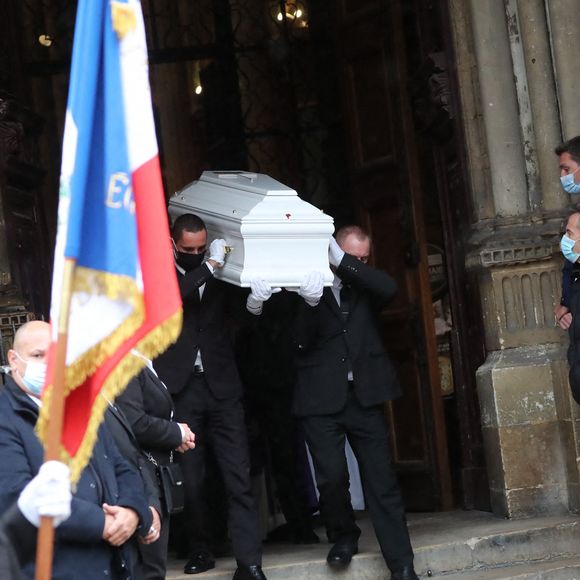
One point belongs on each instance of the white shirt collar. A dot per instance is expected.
(35, 400)
(148, 361)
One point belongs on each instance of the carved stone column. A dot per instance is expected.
(499, 107)
(564, 19)
(522, 387)
(529, 422)
(541, 86)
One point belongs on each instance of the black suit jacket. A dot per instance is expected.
(207, 326)
(149, 408)
(325, 343)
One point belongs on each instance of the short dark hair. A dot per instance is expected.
(355, 230)
(572, 146)
(187, 222)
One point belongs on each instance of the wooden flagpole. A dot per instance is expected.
(44, 548)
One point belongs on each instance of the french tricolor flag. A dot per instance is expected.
(114, 285)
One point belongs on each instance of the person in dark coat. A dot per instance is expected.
(201, 374)
(148, 407)
(129, 448)
(568, 245)
(569, 164)
(46, 494)
(109, 504)
(344, 377)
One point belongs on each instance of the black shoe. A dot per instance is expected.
(198, 563)
(341, 554)
(405, 573)
(249, 573)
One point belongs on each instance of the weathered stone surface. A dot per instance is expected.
(537, 501)
(518, 304)
(529, 436)
(569, 451)
(493, 459)
(574, 497)
(562, 569)
(456, 543)
(532, 454)
(527, 468)
(524, 394)
(566, 407)
(517, 386)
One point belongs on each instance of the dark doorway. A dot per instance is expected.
(352, 103)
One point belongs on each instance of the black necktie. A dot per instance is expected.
(195, 299)
(344, 301)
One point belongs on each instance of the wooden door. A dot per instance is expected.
(387, 194)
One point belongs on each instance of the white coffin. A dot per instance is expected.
(274, 235)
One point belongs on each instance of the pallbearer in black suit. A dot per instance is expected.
(200, 373)
(344, 378)
(147, 406)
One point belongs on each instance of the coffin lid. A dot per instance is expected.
(242, 195)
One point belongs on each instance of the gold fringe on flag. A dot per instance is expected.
(124, 18)
(151, 345)
(114, 287)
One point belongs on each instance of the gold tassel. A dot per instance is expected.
(152, 344)
(124, 18)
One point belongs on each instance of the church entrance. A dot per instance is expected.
(352, 103)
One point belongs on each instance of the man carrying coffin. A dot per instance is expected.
(200, 373)
(344, 377)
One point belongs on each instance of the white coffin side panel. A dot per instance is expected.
(274, 234)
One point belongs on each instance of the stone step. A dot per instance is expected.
(465, 541)
(447, 545)
(561, 569)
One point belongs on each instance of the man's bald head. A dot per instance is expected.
(30, 331)
(31, 344)
(354, 241)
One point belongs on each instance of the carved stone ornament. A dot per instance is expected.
(516, 254)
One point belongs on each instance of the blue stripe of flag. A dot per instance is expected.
(102, 232)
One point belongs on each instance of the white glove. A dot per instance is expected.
(47, 494)
(311, 288)
(261, 291)
(335, 253)
(217, 251)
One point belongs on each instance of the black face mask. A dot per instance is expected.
(189, 261)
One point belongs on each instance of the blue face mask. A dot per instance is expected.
(568, 183)
(34, 375)
(567, 247)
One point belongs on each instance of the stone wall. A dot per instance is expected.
(518, 91)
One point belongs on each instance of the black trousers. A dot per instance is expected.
(367, 435)
(154, 556)
(283, 451)
(219, 424)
